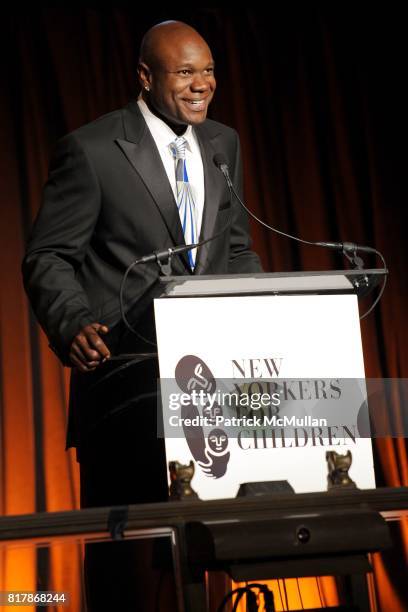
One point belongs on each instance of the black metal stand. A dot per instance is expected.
(263, 548)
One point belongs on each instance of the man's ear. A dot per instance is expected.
(145, 75)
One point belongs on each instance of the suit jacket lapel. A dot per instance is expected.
(141, 151)
(214, 186)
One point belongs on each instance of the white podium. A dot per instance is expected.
(296, 336)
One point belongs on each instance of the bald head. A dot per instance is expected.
(160, 37)
(176, 72)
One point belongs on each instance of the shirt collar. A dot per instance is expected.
(162, 133)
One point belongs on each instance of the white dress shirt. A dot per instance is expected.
(163, 135)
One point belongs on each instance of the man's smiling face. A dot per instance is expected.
(181, 82)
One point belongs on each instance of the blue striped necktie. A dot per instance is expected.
(185, 198)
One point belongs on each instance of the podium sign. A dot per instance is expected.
(305, 342)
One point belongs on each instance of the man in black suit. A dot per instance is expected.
(111, 197)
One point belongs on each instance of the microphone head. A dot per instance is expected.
(219, 160)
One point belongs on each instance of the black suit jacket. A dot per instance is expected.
(107, 202)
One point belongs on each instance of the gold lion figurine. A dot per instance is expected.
(181, 476)
(338, 466)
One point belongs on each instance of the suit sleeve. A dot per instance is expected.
(58, 245)
(242, 259)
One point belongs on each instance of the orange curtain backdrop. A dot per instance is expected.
(317, 98)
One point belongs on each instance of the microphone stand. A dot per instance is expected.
(348, 249)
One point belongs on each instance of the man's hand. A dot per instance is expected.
(88, 350)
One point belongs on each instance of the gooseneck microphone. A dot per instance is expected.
(159, 256)
(349, 249)
(220, 161)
